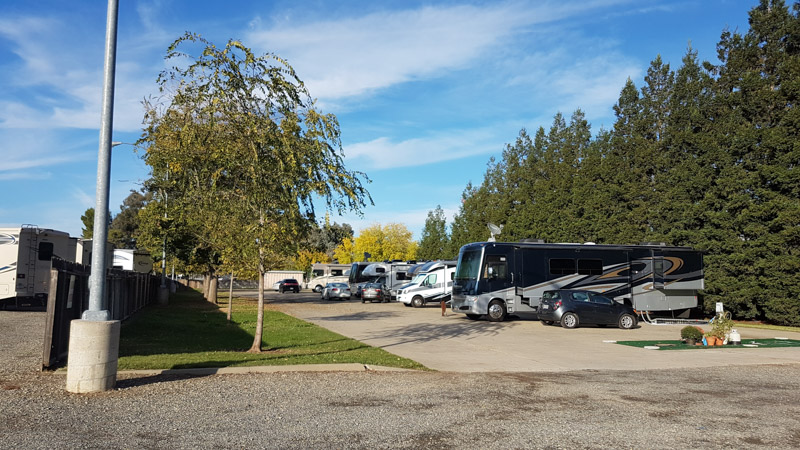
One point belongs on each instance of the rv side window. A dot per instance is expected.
(590, 267)
(45, 251)
(336, 272)
(562, 266)
(401, 276)
(496, 267)
(317, 272)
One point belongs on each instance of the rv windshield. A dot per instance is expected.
(419, 278)
(469, 265)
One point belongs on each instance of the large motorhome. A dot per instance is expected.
(25, 261)
(496, 279)
(433, 283)
(322, 274)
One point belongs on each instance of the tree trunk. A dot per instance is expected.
(230, 298)
(256, 348)
(212, 289)
(206, 283)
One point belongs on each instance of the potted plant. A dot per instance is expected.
(721, 326)
(690, 334)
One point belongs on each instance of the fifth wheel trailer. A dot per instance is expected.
(495, 279)
(25, 261)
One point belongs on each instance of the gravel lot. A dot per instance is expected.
(730, 407)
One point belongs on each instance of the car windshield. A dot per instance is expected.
(469, 265)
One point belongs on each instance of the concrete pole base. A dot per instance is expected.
(163, 295)
(93, 354)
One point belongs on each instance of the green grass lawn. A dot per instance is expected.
(192, 332)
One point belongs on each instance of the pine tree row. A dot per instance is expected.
(704, 156)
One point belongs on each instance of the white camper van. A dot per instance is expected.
(25, 260)
(433, 283)
(134, 260)
(322, 274)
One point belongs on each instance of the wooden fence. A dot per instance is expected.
(126, 293)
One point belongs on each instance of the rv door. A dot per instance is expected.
(658, 270)
(497, 274)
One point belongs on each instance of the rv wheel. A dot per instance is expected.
(497, 311)
(417, 302)
(569, 320)
(317, 288)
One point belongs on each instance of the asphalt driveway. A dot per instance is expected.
(455, 343)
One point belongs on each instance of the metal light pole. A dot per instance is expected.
(97, 282)
(94, 339)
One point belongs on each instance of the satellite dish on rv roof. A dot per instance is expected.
(494, 230)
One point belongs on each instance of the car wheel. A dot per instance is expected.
(547, 322)
(473, 316)
(569, 320)
(317, 288)
(296, 290)
(280, 290)
(417, 302)
(497, 311)
(627, 321)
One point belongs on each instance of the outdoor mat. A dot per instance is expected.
(746, 343)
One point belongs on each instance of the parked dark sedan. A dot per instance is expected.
(375, 291)
(289, 284)
(572, 308)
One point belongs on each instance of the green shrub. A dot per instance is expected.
(691, 332)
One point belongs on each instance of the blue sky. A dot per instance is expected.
(425, 91)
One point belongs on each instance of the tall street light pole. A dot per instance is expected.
(97, 282)
(94, 339)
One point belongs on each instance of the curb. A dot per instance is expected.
(350, 367)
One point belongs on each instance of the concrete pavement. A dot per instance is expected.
(455, 343)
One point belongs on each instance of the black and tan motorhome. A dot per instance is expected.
(494, 279)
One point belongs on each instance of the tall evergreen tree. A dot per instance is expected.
(434, 243)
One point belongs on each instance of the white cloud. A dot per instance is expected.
(350, 56)
(384, 153)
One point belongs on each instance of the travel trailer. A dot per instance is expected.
(322, 274)
(393, 273)
(83, 253)
(25, 261)
(133, 260)
(433, 283)
(495, 279)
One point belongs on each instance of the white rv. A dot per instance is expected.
(392, 273)
(322, 274)
(433, 283)
(134, 260)
(25, 260)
